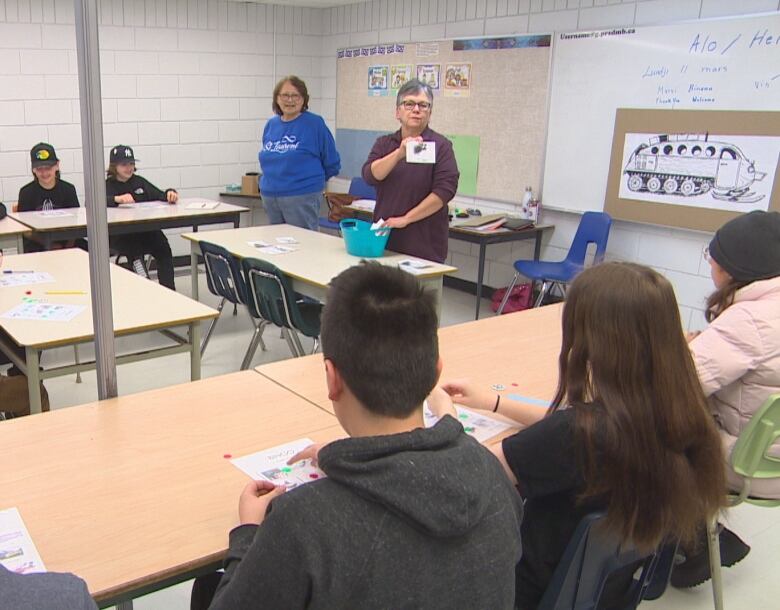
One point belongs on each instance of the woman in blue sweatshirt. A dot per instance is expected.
(298, 156)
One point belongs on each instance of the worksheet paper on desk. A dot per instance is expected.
(481, 427)
(18, 278)
(148, 205)
(271, 465)
(55, 213)
(265, 248)
(198, 204)
(17, 550)
(41, 310)
(415, 267)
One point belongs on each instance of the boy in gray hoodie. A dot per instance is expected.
(407, 517)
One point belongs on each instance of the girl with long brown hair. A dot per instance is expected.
(737, 356)
(628, 430)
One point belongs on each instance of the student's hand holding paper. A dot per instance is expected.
(440, 403)
(466, 393)
(254, 501)
(311, 452)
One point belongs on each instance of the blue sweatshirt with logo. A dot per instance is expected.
(297, 157)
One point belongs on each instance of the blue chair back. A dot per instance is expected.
(593, 229)
(592, 555)
(223, 273)
(360, 188)
(272, 298)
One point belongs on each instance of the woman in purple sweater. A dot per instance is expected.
(412, 191)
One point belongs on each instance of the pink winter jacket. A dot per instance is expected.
(738, 361)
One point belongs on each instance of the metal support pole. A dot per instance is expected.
(95, 193)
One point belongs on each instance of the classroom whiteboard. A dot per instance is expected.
(712, 65)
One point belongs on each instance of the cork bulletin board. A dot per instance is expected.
(695, 169)
(497, 121)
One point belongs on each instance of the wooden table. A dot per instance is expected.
(519, 348)
(126, 219)
(138, 306)
(11, 232)
(318, 259)
(135, 493)
(481, 238)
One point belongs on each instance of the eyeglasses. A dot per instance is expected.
(706, 254)
(410, 105)
(292, 97)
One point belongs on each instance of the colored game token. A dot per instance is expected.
(514, 385)
(314, 475)
(28, 292)
(469, 429)
(498, 387)
(227, 456)
(463, 416)
(286, 469)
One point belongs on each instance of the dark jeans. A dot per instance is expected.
(203, 590)
(137, 245)
(30, 245)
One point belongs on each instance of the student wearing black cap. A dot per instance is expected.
(47, 191)
(123, 185)
(738, 355)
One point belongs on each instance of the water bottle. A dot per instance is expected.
(527, 196)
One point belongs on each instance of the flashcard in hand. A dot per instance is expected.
(271, 465)
(421, 152)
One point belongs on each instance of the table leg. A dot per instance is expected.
(125, 605)
(194, 269)
(194, 351)
(436, 286)
(19, 244)
(538, 245)
(33, 378)
(480, 276)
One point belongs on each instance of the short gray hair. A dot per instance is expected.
(411, 87)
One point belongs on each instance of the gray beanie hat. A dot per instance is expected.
(748, 247)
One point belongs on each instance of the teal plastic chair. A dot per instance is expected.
(272, 298)
(750, 459)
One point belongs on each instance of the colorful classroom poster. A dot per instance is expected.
(399, 75)
(377, 80)
(429, 74)
(466, 150)
(457, 80)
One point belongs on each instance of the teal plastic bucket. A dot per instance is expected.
(362, 240)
